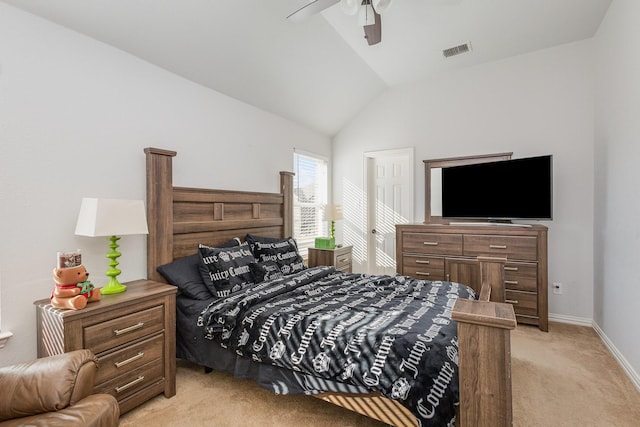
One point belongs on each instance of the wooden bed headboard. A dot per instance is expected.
(180, 218)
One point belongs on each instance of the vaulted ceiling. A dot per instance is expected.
(319, 72)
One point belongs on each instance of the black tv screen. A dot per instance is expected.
(503, 190)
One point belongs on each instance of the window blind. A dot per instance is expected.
(309, 199)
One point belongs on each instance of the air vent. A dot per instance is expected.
(457, 50)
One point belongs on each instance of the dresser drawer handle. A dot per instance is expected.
(421, 261)
(129, 329)
(511, 282)
(345, 259)
(131, 384)
(129, 360)
(430, 243)
(511, 269)
(511, 301)
(421, 273)
(498, 246)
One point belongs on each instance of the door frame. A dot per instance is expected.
(369, 155)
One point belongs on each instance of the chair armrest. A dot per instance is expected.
(47, 384)
(97, 410)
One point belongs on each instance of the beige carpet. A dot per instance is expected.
(565, 377)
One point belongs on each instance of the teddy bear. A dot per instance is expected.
(73, 290)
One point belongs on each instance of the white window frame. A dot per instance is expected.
(307, 239)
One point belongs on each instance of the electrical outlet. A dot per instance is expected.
(557, 288)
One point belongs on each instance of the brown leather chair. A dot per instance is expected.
(55, 391)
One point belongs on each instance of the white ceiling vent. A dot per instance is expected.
(457, 50)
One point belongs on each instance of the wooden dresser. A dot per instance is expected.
(449, 252)
(132, 334)
(340, 258)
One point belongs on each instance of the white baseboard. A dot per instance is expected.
(572, 320)
(631, 373)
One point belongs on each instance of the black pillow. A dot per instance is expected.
(267, 270)
(226, 270)
(283, 252)
(185, 274)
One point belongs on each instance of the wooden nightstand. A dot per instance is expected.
(132, 334)
(340, 258)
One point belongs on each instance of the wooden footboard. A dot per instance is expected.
(484, 351)
(179, 218)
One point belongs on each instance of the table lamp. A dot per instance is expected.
(332, 213)
(113, 218)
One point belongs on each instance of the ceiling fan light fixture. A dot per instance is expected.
(366, 15)
(350, 7)
(381, 5)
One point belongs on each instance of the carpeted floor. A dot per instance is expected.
(562, 378)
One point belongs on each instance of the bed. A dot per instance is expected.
(375, 379)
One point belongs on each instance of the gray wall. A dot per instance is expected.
(617, 179)
(75, 116)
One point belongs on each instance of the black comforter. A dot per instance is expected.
(391, 334)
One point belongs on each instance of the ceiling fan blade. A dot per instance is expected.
(311, 9)
(373, 33)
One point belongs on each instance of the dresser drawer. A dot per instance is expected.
(422, 267)
(432, 243)
(520, 276)
(345, 268)
(343, 261)
(129, 358)
(524, 303)
(510, 247)
(112, 333)
(126, 385)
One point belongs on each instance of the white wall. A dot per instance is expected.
(75, 116)
(535, 104)
(617, 179)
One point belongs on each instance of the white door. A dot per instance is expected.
(390, 202)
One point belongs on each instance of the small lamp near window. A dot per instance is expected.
(332, 213)
(113, 218)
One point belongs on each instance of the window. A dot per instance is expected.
(309, 199)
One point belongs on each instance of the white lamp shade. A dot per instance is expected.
(350, 7)
(111, 217)
(381, 5)
(332, 213)
(366, 15)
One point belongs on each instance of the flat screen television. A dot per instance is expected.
(499, 191)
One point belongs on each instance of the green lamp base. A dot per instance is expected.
(113, 286)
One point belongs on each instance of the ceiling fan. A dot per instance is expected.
(368, 12)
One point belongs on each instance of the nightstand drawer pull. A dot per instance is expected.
(421, 261)
(430, 243)
(511, 301)
(131, 384)
(119, 332)
(498, 246)
(511, 282)
(511, 269)
(341, 260)
(420, 273)
(129, 360)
